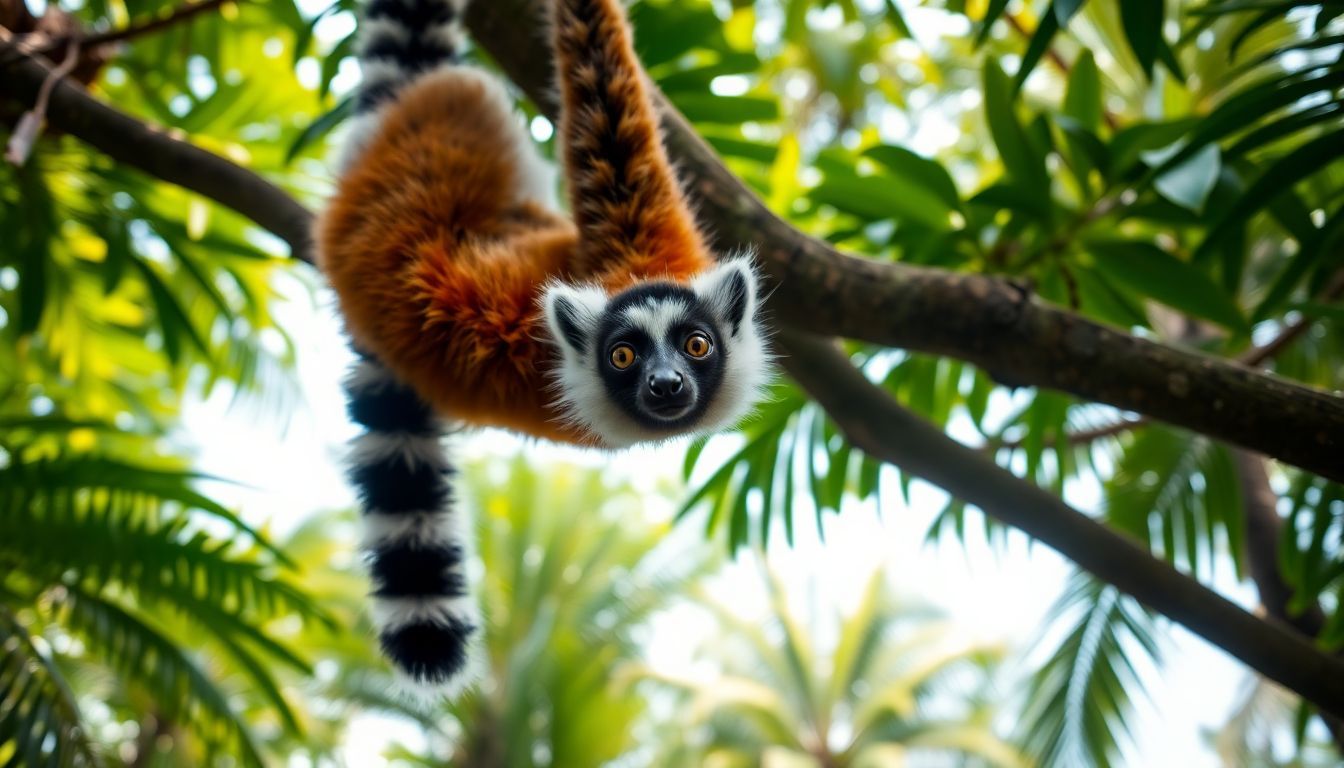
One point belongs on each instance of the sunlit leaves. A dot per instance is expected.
(786, 694)
(1083, 96)
(39, 717)
(1024, 161)
(1181, 495)
(1309, 552)
(111, 553)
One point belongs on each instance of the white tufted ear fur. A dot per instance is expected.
(729, 290)
(572, 313)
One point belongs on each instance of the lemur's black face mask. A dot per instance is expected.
(660, 355)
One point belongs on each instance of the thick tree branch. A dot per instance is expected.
(875, 423)
(155, 151)
(870, 419)
(983, 320)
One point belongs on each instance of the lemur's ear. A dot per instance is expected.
(572, 314)
(730, 291)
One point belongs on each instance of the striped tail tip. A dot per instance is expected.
(414, 537)
(400, 39)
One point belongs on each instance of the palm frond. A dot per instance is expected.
(103, 521)
(143, 655)
(39, 718)
(1080, 702)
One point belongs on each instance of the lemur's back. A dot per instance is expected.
(430, 215)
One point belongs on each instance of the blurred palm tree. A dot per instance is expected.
(896, 685)
(135, 612)
(573, 567)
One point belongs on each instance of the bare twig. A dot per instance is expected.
(1290, 333)
(29, 127)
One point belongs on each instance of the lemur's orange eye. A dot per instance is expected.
(697, 345)
(622, 356)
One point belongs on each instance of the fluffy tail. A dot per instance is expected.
(401, 39)
(414, 538)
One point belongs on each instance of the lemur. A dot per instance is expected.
(470, 300)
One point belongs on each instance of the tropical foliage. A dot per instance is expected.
(1170, 167)
(895, 685)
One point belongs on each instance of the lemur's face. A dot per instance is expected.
(659, 359)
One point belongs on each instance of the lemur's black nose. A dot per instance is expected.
(665, 383)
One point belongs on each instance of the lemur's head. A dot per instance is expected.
(659, 359)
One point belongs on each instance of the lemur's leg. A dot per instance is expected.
(632, 215)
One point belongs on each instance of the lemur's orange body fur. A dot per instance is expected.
(439, 261)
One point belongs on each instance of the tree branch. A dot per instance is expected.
(983, 320)
(872, 421)
(1253, 357)
(869, 418)
(155, 151)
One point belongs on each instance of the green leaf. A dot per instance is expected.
(1099, 298)
(146, 656)
(877, 198)
(320, 127)
(332, 63)
(1190, 183)
(1151, 271)
(897, 20)
(1083, 96)
(1277, 179)
(1040, 42)
(680, 28)
(1247, 106)
(710, 108)
(1142, 21)
(118, 239)
(1083, 152)
(992, 14)
(1081, 700)
(1025, 167)
(173, 319)
(927, 173)
(1065, 9)
(1131, 142)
